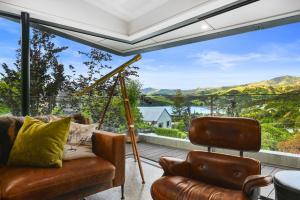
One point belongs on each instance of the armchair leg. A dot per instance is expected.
(122, 191)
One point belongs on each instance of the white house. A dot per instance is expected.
(157, 116)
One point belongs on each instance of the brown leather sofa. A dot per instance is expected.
(214, 176)
(75, 180)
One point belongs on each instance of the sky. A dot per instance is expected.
(233, 60)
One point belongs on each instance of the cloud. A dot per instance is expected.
(149, 64)
(268, 53)
(224, 60)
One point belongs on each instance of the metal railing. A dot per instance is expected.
(279, 114)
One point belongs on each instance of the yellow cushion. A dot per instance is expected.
(40, 144)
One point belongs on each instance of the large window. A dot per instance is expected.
(255, 75)
(10, 81)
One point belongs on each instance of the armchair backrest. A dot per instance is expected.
(242, 134)
(223, 170)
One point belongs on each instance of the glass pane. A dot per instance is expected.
(10, 88)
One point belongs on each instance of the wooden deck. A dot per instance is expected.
(153, 152)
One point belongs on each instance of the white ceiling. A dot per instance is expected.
(130, 21)
(127, 10)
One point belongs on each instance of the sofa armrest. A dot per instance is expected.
(256, 181)
(175, 166)
(111, 147)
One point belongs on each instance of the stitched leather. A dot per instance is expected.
(111, 147)
(181, 188)
(241, 134)
(214, 176)
(76, 179)
(18, 183)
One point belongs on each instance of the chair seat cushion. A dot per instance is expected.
(177, 187)
(48, 183)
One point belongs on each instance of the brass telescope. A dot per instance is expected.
(128, 113)
(118, 70)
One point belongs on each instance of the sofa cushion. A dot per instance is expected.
(9, 127)
(177, 187)
(2, 171)
(34, 183)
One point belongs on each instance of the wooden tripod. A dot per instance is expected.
(128, 114)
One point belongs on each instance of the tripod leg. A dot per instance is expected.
(130, 124)
(122, 191)
(102, 115)
(138, 158)
(132, 146)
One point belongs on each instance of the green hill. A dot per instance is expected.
(276, 85)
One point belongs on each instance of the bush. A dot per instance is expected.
(169, 132)
(4, 109)
(272, 135)
(179, 125)
(292, 145)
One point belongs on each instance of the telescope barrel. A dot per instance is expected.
(110, 74)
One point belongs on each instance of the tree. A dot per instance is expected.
(92, 104)
(272, 135)
(178, 104)
(291, 145)
(47, 75)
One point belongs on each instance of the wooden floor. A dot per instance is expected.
(150, 153)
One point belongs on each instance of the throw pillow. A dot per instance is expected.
(40, 144)
(81, 134)
(79, 143)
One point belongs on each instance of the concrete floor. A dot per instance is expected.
(134, 189)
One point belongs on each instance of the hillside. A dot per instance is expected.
(276, 85)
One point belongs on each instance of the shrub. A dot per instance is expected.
(292, 145)
(272, 135)
(4, 109)
(179, 125)
(169, 132)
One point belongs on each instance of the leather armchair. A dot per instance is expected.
(214, 176)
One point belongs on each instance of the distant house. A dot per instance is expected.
(157, 116)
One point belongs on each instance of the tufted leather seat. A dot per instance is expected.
(178, 187)
(214, 176)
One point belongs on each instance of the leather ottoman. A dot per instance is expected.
(287, 185)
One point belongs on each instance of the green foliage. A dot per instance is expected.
(179, 125)
(169, 132)
(197, 102)
(158, 100)
(4, 109)
(46, 73)
(272, 135)
(57, 111)
(178, 103)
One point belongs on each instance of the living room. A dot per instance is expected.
(149, 99)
